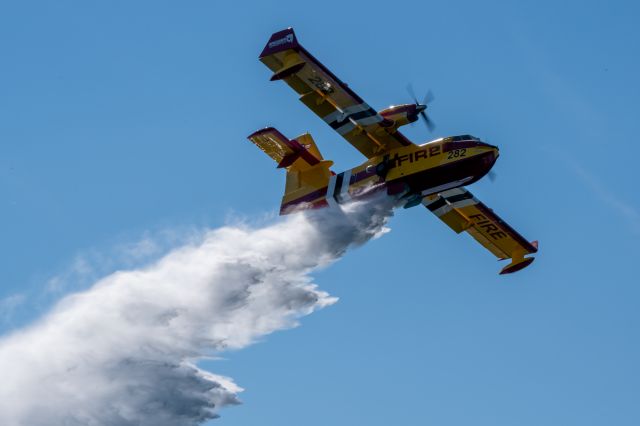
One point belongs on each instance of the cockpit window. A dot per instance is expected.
(461, 138)
(464, 138)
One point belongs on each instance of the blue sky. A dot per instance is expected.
(125, 119)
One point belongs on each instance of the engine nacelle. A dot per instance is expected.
(400, 115)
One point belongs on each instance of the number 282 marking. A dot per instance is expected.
(462, 152)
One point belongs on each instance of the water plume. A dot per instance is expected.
(124, 351)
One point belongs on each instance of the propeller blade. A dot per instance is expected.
(412, 93)
(492, 175)
(428, 98)
(430, 124)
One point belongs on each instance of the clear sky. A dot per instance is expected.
(123, 119)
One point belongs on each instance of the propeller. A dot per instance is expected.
(421, 107)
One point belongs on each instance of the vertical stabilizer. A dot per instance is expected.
(307, 171)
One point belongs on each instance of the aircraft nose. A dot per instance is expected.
(494, 150)
(490, 146)
(491, 156)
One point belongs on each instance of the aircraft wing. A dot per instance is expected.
(461, 211)
(330, 98)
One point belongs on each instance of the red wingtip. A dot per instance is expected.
(282, 40)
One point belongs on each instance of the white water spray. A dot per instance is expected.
(124, 351)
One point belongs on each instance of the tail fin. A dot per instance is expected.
(307, 170)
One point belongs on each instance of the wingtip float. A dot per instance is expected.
(431, 174)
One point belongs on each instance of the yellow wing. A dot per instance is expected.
(327, 96)
(461, 211)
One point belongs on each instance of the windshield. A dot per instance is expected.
(464, 138)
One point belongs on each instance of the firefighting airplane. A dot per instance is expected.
(431, 174)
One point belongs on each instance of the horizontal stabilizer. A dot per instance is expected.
(293, 154)
(299, 151)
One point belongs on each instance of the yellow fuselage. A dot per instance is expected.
(411, 172)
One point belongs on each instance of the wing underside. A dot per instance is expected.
(328, 97)
(461, 211)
